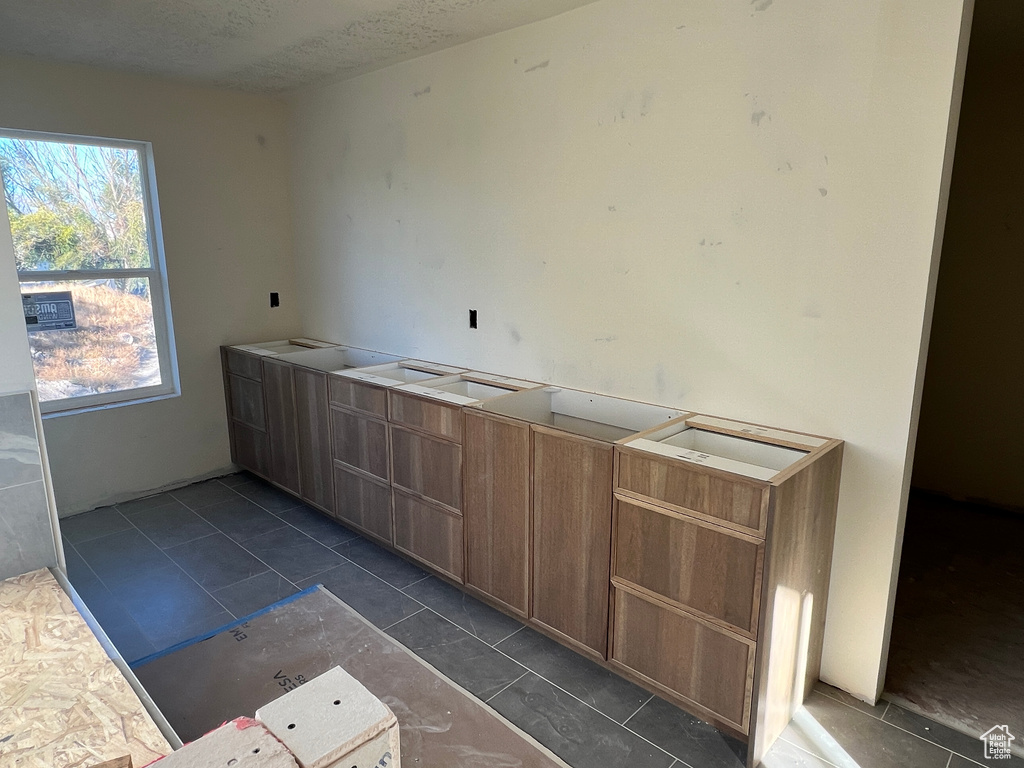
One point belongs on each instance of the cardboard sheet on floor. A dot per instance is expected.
(199, 686)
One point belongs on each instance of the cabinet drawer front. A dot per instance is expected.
(361, 442)
(496, 509)
(436, 418)
(698, 566)
(363, 503)
(251, 449)
(691, 488)
(242, 364)
(706, 666)
(429, 533)
(247, 402)
(427, 466)
(358, 396)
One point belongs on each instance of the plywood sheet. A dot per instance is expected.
(63, 703)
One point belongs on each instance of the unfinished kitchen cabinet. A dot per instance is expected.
(260, 402)
(361, 442)
(569, 510)
(426, 433)
(721, 555)
(279, 394)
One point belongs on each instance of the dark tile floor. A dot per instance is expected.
(162, 569)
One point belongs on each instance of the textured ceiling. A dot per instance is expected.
(256, 45)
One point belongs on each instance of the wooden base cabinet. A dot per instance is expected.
(313, 427)
(246, 407)
(363, 502)
(721, 556)
(279, 392)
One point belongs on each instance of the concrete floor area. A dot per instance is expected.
(162, 569)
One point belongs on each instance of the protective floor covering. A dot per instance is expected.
(957, 653)
(200, 685)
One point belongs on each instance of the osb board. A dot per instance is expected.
(63, 703)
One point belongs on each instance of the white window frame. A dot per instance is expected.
(156, 273)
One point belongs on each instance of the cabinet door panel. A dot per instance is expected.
(436, 418)
(358, 396)
(363, 503)
(429, 533)
(281, 424)
(692, 488)
(698, 566)
(572, 525)
(427, 466)
(246, 398)
(361, 442)
(497, 509)
(242, 364)
(316, 472)
(709, 667)
(251, 449)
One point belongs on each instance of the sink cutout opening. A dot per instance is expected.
(739, 449)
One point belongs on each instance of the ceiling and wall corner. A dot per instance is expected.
(255, 45)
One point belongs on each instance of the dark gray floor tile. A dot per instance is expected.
(376, 601)
(572, 730)
(393, 569)
(318, 525)
(875, 710)
(237, 478)
(165, 603)
(967, 746)
(199, 495)
(690, 739)
(267, 496)
(240, 519)
(78, 571)
(293, 554)
(598, 687)
(467, 660)
(785, 755)
(216, 561)
(129, 508)
(93, 525)
(256, 593)
(478, 619)
(120, 556)
(841, 734)
(121, 628)
(171, 525)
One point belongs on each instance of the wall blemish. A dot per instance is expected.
(424, 92)
(542, 65)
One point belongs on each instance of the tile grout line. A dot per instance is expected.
(806, 752)
(402, 590)
(395, 623)
(568, 693)
(526, 672)
(950, 760)
(510, 634)
(649, 700)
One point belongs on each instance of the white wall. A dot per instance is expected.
(222, 177)
(728, 207)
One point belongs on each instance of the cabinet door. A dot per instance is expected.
(284, 450)
(313, 417)
(496, 509)
(363, 503)
(686, 657)
(246, 398)
(360, 442)
(429, 533)
(696, 565)
(572, 525)
(426, 466)
(250, 449)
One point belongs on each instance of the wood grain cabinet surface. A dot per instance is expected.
(691, 554)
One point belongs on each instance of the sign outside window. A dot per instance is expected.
(52, 311)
